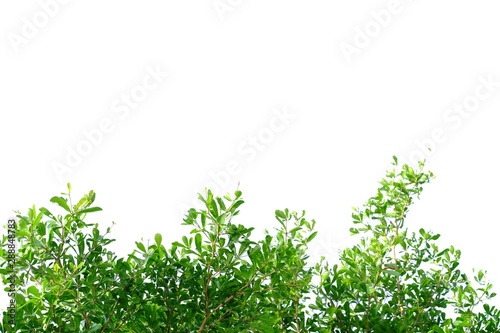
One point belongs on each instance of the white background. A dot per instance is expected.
(230, 70)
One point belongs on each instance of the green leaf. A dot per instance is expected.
(81, 202)
(435, 237)
(392, 272)
(177, 244)
(197, 241)
(90, 210)
(312, 236)
(221, 220)
(33, 290)
(185, 241)
(236, 205)
(40, 228)
(203, 219)
(221, 203)
(61, 202)
(280, 215)
(158, 239)
(47, 213)
(140, 246)
(37, 220)
(23, 233)
(81, 245)
(95, 233)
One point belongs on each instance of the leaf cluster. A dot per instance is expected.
(220, 279)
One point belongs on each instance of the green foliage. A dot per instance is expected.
(219, 279)
(395, 280)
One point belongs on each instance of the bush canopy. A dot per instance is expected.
(61, 276)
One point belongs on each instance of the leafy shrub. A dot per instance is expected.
(218, 279)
